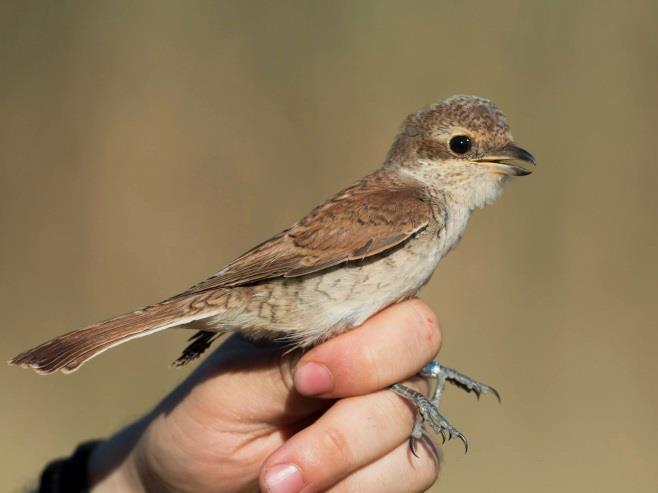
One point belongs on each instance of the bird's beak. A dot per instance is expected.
(498, 161)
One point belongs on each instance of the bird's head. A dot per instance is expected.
(463, 142)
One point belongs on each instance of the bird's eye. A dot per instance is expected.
(460, 144)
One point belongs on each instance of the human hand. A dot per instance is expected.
(250, 418)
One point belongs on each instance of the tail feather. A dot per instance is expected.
(69, 351)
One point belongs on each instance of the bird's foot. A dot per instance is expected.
(444, 374)
(428, 414)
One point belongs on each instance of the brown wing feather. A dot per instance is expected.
(367, 218)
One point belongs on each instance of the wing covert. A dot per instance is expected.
(365, 219)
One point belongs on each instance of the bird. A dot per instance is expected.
(373, 244)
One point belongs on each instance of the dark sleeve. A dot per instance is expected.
(68, 475)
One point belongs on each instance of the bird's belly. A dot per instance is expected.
(313, 308)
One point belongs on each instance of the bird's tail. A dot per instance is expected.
(69, 351)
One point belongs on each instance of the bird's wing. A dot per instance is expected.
(365, 219)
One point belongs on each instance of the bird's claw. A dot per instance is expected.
(431, 415)
(428, 414)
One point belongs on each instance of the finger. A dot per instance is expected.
(398, 471)
(388, 348)
(354, 432)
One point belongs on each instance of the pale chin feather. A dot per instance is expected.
(486, 188)
(469, 185)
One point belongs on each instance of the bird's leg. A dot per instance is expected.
(433, 370)
(428, 412)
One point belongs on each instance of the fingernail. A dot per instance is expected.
(313, 378)
(284, 478)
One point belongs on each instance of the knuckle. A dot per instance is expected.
(372, 374)
(337, 447)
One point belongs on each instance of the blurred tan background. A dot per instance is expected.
(145, 144)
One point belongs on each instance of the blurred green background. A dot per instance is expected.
(145, 144)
